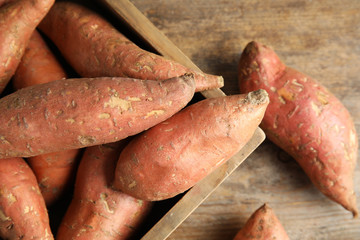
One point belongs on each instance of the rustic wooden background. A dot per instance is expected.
(319, 38)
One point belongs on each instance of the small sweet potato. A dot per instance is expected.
(55, 171)
(97, 211)
(18, 19)
(262, 225)
(174, 155)
(94, 48)
(23, 214)
(76, 113)
(306, 120)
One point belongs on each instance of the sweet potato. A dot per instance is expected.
(262, 225)
(172, 156)
(306, 120)
(38, 64)
(94, 48)
(55, 172)
(97, 211)
(18, 19)
(23, 214)
(76, 113)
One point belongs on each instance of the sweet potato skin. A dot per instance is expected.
(23, 214)
(306, 120)
(76, 113)
(172, 156)
(94, 48)
(18, 19)
(38, 64)
(97, 211)
(262, 225)
(55, 171)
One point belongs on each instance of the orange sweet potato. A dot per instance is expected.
(262, 225)
(18, 19)
(172, 156)
(94, 48)
(306, 120)
(23, 214)
(38, 64)
(76, 113)
(55, 172)
(96, 210)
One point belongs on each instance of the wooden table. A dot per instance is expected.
(319, 38)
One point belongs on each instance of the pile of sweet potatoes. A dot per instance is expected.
(61, 134)
(97, 118)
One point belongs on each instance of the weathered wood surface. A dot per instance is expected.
(319, 38)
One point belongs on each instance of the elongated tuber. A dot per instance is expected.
(306, 120)
(76, 113)
(174, 155)
(94, 48)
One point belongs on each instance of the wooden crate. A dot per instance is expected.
(186, 203)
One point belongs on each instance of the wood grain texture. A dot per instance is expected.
(319, 38)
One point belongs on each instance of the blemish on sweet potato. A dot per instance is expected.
(116, 102)
(70, 120)
(3, 217)
(155, 113)
(104, 115)
(87, 140)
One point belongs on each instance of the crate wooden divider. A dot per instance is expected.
(127, 12)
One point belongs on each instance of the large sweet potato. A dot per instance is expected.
(172, 156)
(55, 172)
(262, 225)
(306, 120)
(18, 19)
(75, 113)
(97, 211)
(23, 214)
(94, 48)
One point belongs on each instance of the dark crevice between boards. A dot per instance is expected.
(159, 209)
